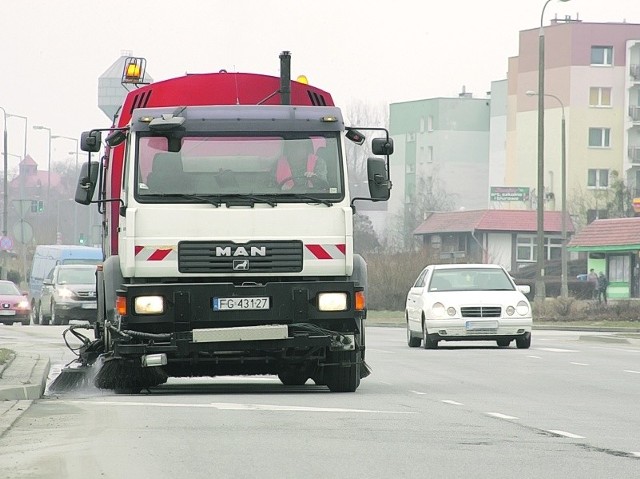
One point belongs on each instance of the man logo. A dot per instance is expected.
(241, 265)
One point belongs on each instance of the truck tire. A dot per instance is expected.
(343, 377)
(293, 377)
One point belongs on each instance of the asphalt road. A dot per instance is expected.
(565, 408)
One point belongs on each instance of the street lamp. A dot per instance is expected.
(5, 194)
(39, 127)
(75, 205)
(11, 115)
(564, 289)
(540, 293)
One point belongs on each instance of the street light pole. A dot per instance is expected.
(5, 215)
(75, 205)
(564, 288)
(540, 292)
(39, 127)
(10, 115)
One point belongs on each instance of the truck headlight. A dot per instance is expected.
(332, 301)
(149, 305)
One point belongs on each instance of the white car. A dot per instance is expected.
(467, 302)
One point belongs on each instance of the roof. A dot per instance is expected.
(492, 220)
(609, 234)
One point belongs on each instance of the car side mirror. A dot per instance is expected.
(524, 288)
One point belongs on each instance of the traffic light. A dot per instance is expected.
(82, 239)
(37, 206)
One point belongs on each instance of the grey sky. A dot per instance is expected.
(370, 51)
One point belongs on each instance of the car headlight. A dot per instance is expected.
(522, 308)
(438, 310)
(332, 301)
(510, 310)
(65, 293)
(149, 305)
(24, 304)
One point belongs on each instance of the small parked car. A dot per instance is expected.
(14, 305)
(68, 293)
(467, 302)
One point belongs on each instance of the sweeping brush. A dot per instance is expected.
(71, 378)
(127, 376)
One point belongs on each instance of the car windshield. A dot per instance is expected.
(470, 279)
(8, 288)
(77, 276)
(226, 168)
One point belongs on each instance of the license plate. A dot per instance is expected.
(89, 306)
(481, 325)
(243, 304)
(7, 313)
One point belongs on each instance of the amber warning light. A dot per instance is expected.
(134, 68)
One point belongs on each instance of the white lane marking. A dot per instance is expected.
(558, 350)
(564, 434)
(501, 416)
(449, 401)
(578, 364)
(534, 357)
(417, 392)
(631, 371)
(635, 454)
(385, 383)
(380, 351)
(238, 407)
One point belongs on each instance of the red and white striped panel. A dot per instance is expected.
(324, 251)
(152, 253)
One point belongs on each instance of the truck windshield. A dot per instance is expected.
(284, 168)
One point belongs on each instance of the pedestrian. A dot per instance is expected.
(603, 282)
(592, 278)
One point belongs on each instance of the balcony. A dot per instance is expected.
(634, 71)
(634, 113)
(634, 154)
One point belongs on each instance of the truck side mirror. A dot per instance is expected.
(90, 141)
(379, 184)
(382, 146)
(87, 182)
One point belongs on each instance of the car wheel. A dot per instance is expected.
(412, 341)
(55, 317)
(42, 319)
(34, 314)
(429, 343)
(524, 341)
(503, 343)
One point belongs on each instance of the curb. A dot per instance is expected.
(33, 366)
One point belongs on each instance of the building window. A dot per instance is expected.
(430, 154)
(436, 241)
(601, 55)
(619, 269)
(429, 123)
(421, 125)
(599, 137)
(597, 178)
(599, 96)
(527, 248)
(593, 215)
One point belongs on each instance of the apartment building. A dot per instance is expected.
(483, 152)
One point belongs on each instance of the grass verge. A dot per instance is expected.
(5, 355)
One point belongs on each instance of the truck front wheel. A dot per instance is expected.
(343, 377)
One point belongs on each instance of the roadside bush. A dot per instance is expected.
(391, 277)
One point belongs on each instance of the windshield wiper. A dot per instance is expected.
(252, 199)
(213, 200)
(311, 198)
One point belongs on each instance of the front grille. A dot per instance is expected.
(86, 294)
(481, 311)
(229, 257)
